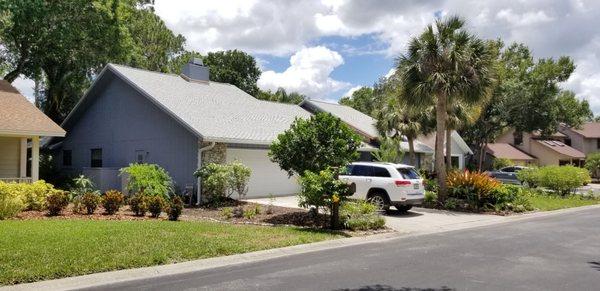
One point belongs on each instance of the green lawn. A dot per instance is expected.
(549, 202)
(34, 250)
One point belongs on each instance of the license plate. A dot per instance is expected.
(416, 186)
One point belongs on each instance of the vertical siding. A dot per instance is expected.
(121, 121)
(9, 157)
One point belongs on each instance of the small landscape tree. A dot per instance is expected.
(314, 145)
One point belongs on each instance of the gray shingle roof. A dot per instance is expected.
(356, 119)
(216, 111)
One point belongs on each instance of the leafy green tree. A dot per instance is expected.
(592, 163)
(445, 64)
(232, 66)
(572, 111)
(314, 145)
(389, 150)
(280, 96)
(361, 100)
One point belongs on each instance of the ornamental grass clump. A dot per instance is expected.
(112, 201)
(473, 187)
(360, 215)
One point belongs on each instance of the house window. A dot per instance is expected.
(67, 158)
(96, 158)
(518, 136)
(598, 143)
(140, 156)
(568, 141)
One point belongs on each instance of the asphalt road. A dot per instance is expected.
(560, 252)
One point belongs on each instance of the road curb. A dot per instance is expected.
(111, 277)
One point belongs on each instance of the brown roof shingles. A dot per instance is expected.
(20, 117)
(507, 151)
(561, 148)
(589, 129)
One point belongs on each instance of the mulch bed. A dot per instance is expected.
(283, 216)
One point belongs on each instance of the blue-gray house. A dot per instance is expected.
(177, 121)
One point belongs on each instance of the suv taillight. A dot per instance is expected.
(402, 183)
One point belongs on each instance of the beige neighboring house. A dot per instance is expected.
(507, 151)
(550, 150)
(21, 127)
(585, 139)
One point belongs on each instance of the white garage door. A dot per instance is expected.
(267, 178)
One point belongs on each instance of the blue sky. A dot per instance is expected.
(324, 48)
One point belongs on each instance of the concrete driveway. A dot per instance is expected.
(417, 220)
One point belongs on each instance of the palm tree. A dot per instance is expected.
(445, 64)
(459, 115)
(397, 120)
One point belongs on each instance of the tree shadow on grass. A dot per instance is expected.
(379, 287)
(595, 265)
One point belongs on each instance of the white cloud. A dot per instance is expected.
(26, 87)
(309, 73)
(277, 27)
(351, 91)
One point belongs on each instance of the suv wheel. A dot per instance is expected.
(380, 201)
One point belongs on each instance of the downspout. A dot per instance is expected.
(200, 151)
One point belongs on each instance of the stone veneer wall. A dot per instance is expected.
(218, 154)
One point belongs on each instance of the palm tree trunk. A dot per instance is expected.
(411, 151)
(482, 155)
(448, 149)
(440, 167)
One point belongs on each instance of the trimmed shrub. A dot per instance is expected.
(222, 180)
(500, 163)
(10, 201)
(34, 194)
(319, 188)
(56, 202)
(175, 208)
(360, 215)
(473, 187)
(138, 204)
(148, 178)
(156, 204)
(430, 197)
(215, 180)
(112, 201)
(227, 212)
(510, 198)
(561, 179)
(451, 203)
(592, 164)
(90, 202)
(239, 175)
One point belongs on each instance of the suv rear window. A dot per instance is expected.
(360, 170)
(408, 173)
(380, 172)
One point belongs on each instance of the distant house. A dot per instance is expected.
(21, 126)
(180, 122)
(364, 125)
(460, 149)
(548, 150)
(585, 139)
(507, 151)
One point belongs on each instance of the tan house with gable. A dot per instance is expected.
(21, 127)
(586, 139)
(549, 150)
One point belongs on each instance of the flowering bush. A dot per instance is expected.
(473, 187)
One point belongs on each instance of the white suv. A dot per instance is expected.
(386, 184)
